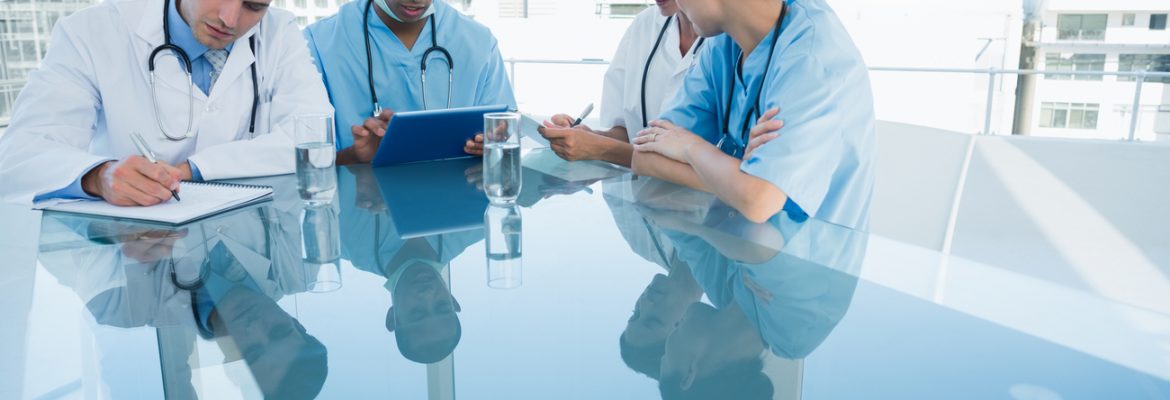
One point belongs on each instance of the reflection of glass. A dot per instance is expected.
(316, 177)
(504, 229)
(501, 157)
(321, 244)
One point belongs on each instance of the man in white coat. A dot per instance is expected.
(250, 74)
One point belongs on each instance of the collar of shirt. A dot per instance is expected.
(182, 36)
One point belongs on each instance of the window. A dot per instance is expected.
(1144, 62)
(1157, 22)
(300, 4)
(1069, 115)
(278, 3)
(322, 3)
(1128, 19)
(1074, 62)
(302, 20)
(1081, 26)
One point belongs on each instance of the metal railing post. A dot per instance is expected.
(991, 72)
(1137, 106)
(512, 72)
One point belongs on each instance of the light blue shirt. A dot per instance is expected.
(823, 158)
(338, 47)
(181, 36)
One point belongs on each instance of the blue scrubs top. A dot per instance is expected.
(823, 158)
(338, 47)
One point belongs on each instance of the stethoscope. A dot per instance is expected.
(726, 143)
(186, 60)
(434, 47)
(205, 265)
(646, 70)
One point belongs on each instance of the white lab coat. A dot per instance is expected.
(621, 96)
(93, 89)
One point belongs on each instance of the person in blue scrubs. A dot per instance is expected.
(782, 63)
(400, 33)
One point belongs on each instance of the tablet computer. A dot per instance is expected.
(415, 136)
(433, 198)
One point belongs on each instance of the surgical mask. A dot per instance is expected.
(386, 8)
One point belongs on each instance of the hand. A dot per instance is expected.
(560, 121)
(368, 135)
(573, 144)
(474, 176)
(132, 181)
(765, 131)
(369, 195)
(474, 146)
(670, 141)
(148, 246)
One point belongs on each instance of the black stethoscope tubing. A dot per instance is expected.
(743, 131)
(423, 64)
(182, 55)
(646, 69)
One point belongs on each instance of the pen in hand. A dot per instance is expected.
(584, 114)
(144, 149)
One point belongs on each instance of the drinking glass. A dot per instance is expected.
(316, 173)
(504, 231)
(501, 157)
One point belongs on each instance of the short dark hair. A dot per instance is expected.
(742, 380)
(424, 353)
(646, 360)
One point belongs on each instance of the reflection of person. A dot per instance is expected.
(374, 54)
(229, 116)
(776, 290)
(714, 354)
(236, 260)
(798, 69)
(286, 361)
(656, 312)
(423, 315)
(661, 305)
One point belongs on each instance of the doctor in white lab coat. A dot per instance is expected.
(70, 135)
(647, 69)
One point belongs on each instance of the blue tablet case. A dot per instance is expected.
(432, 198)
(415, 136)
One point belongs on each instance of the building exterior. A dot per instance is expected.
(25, 30)
(1082, 35)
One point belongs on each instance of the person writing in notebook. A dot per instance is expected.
(789, 61)
(378, 57)
(211, 85)
(647, 69)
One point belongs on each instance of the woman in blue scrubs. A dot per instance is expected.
(781, 63)
(371, 56)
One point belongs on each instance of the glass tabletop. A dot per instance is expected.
(595, 284)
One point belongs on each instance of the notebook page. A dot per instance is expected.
(198, 200)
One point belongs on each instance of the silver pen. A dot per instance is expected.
(584, 114)
(145, 150)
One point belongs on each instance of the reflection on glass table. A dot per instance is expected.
(208, 288)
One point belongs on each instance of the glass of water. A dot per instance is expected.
(504, 228)
(316, 174)
(501, 157)
(321, 247)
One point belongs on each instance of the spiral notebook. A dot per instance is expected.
(199, 200)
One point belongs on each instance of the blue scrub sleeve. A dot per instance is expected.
(804, 158)
(493, 84)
